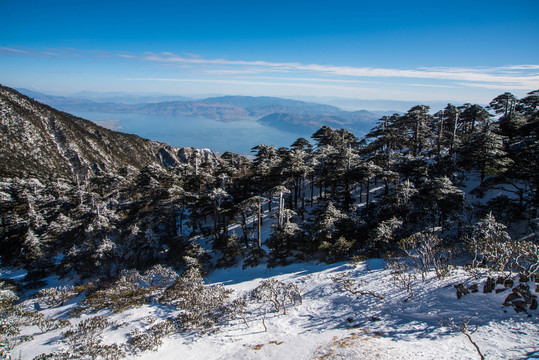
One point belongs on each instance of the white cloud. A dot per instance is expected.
(11, 50)
(517, 76)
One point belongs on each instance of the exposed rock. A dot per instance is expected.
(521, 298)
(519, 305)
(461, 290)
(489, 286)
(508, 283)
(511, 297)
(474, 288)
(190, 155)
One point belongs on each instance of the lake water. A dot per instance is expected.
(219, 136)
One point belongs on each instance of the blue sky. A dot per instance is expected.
(404, 50)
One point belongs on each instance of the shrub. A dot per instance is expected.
(48, 324)
(12, 319)
(425, 250)
(55, 296)
(493, 248)
(277, 293)
(201, 306)
(117, 296)
(353, 286)
(163, 328)
(336, 250)
(140, 342)
(150, 340)
(489, 242)
(86, 342)
(158, 277)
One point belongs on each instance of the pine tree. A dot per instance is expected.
(484, 151)
(417, 124)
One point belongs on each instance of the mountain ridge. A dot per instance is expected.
(42, 142)
(224, 108)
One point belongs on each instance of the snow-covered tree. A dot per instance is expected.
(490, 243)
(484, 150)
(201, 306)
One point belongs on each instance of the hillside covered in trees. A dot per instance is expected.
(460, 186)
(336, 196)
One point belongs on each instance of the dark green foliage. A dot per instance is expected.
(285, 243)
(231, 251)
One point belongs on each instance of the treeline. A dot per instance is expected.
(330, 198)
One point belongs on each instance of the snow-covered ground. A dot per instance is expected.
(334, 324)
(331, 323)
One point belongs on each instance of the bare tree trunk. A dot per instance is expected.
(312, 189)
(259, 225)
(303, 196)
(454, 135)
(280, 210)
(368, 190)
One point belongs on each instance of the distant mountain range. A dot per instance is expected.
(285, 114)
(221, 108)
(41, 142)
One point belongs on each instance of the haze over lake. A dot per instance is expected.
(220, 136)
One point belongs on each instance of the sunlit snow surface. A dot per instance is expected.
(332, 324)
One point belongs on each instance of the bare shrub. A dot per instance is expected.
(403, 276)
(238, 307)
(85, 341)
(425, 250)
(463, 325)
(201, 306)
(55, 296)
(277, 293)
(353, 286)
(48, 324)
(527, 258)
(139, 341)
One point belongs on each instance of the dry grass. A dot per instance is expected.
(337, 348)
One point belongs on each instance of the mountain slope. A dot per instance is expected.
(39, 141)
